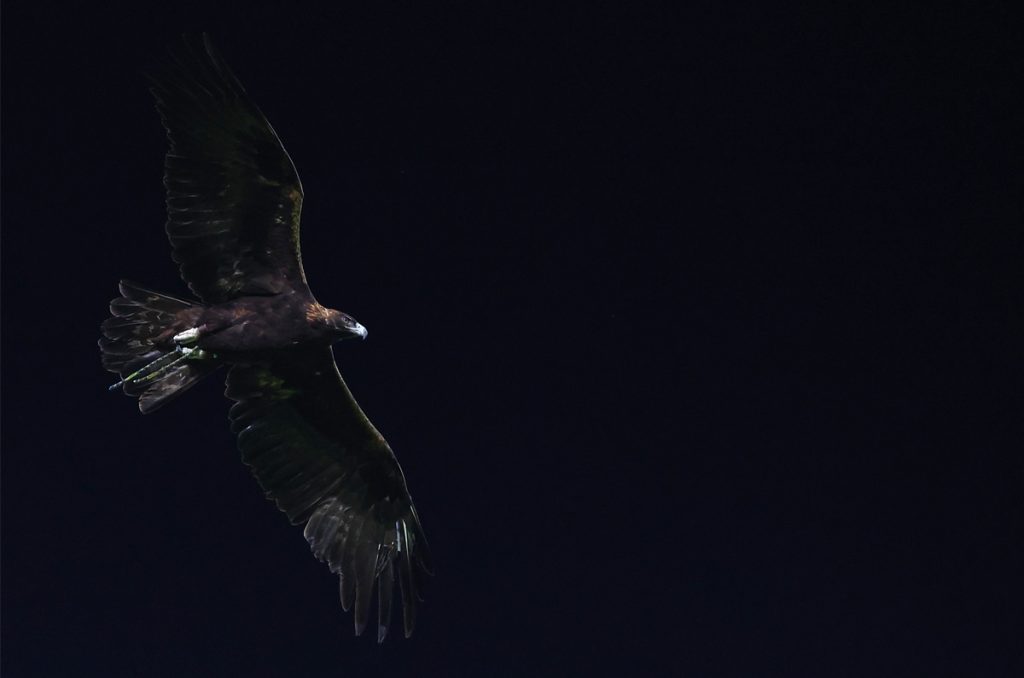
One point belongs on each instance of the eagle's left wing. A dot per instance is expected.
(319, 458)
(233, 196)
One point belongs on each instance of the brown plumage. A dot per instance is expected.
(234, 201)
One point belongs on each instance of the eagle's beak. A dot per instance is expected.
(360, 331)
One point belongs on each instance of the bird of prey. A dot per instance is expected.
(233, 206)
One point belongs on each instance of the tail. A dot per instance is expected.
(138, 344)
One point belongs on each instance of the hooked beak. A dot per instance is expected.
(360, 331)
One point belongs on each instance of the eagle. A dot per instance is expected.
(234, 201)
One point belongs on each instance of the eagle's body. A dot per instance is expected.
(234, 202)
(251, 324)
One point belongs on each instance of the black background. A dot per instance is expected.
(696, 331)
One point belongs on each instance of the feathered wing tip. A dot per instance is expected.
(195, 69)
(365, 555)
(185, 55)
(137, 344)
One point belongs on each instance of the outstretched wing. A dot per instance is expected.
(319, 458)
(233, 196)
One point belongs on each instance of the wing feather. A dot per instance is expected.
(385, 586)
(405, 582)
(364, 566)
(324, 464)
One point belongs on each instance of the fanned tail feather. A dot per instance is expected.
(138, 344)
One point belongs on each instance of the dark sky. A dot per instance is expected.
(696, 332)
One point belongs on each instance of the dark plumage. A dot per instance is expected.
(233, 203)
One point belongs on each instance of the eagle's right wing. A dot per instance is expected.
(319, 458)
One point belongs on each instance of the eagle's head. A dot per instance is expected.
(345, 326)
(339, 325)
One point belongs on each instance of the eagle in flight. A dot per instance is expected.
(233, 206)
